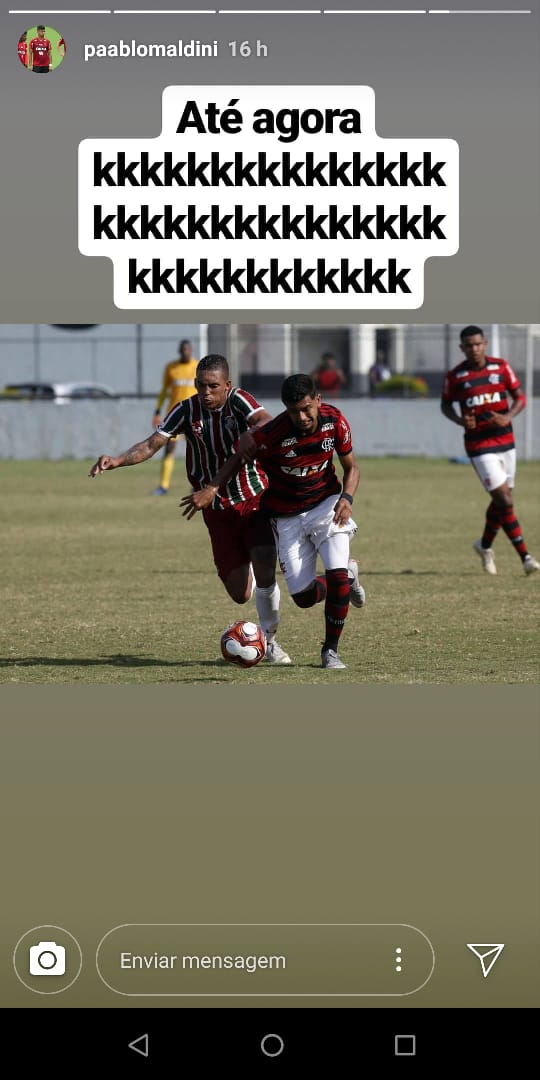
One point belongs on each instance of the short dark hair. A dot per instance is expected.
(471, 331)
(41, 27)
(184, 341)
(214, 362)
(296, 388)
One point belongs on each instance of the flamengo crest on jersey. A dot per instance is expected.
(210, 441)
(483, 392)
(300, 468)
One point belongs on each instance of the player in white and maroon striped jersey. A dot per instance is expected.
(242, 539)
(482, 386)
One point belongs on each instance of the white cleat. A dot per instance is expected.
(275, 654)
(358, 593)
(530, 564)
(487, 557)
(330, 659)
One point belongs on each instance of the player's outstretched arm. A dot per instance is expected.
(140, 452)
(351, 479)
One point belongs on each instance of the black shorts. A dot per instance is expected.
(41, 70)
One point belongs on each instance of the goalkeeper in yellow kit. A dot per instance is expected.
(178, 384)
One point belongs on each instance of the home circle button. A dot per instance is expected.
(272, 1045)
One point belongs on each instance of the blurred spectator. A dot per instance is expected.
(329, 378)
(379, 372)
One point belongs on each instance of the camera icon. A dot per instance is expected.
(47, 958)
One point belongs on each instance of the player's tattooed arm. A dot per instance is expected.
(142, 451)
(351, 479)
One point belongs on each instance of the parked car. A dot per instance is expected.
(61, 393)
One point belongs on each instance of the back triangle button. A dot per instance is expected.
(140, 1045)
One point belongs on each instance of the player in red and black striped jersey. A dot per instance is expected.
(40, 53)
(482, 385)
(22, 49)
(310, 509)
(242, 539)
(297, 455)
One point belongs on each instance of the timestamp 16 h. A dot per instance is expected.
(248, 48)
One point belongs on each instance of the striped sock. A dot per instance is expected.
(337, 605)
(309, 597)
(492, 526)
(512, 529)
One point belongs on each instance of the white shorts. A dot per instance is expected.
(301, 537)
(496, 469)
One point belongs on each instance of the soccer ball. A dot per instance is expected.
(243, 643)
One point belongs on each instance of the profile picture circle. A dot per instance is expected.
(41, 49)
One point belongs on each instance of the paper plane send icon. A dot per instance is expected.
(487, 955)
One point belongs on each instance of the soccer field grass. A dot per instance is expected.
(103, 584)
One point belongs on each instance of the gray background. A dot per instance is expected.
(467, 77)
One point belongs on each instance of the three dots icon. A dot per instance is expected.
(398, 960)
